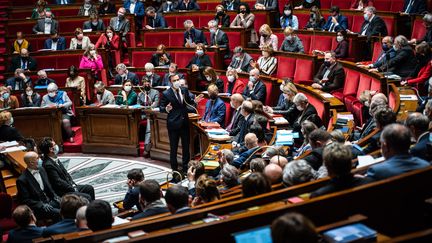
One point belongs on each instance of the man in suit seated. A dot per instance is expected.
(215, 108)
(136, 8)
(248, 119)
(150, 198)
(395, 143)
(69, 206)
(46, 25)
(331, 75)
(240, 61)
(155, 20)
(43, 79)
(177, 199)
(236, 104)
(414, 7)
(27, 229)
(155, 80)
(99, 215)
(192, 36)
(218, 38)
(266, 5)
(318, 140)
(35, 191)
(255, 89)
(188, 5)
(121, 24)
(306, 112)
(168, 6)
(373, 24)
(60, 179)
(123, 74)
(172, 70)
(94, 23)
(386, 54)
(383, 116)
(24, 61)
(135, 177)
(419, 126)
(19, 81)
(251, 143)
(335, 21)
(80, 219)
(55, 42)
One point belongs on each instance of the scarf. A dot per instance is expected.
(58, 99)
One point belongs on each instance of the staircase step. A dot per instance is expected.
(12, 191)
(11, 182)
(6, 174)
(74, 147)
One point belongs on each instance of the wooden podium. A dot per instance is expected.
(110, 130)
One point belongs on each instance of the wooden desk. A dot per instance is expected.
(402, 107)
(350, 124)
(16, 160)
(109, 130)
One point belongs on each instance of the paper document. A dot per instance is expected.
(408, 97)
(367, 160)
(9, 144)
(327, 95)
(13, 149)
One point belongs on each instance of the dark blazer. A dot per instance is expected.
(203, 62)
(309, 113)
(243, 157)
(123, 27)
(12, 82)
(62, 227)
(8, 133)
(420, 149)
(418, 7)
(231, 5)
(383, 57)
(158, 22)
(373, 143)
(60, 179)
(191, 6)
(36, 100)
(376, 27)
(396, 165)
(155, 59)
(165, 8)
(271, 4)
(155, 79)
(259, 92)
(166, 81)
(40, 26)
(16, 63)
(288, 110)
(150, 212)
(237, 119)
(315, 158)
(342, 20)
(61, 43)
(44, 82)
(244, 125)
(110, 10)
(130, 75)
(24, 235)
(310, 5)
(339, 184)
(243, 65)
(341, 49)
(223, 20)
(139, 8)
(427, 37)
(132, 199)
(178, 116)
(402, 64)
(197, 36)
(99, 27)
(317, 25)
(221, 41)
(336, 77)
(217, 113)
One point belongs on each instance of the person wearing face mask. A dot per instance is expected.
(236, 101)
(87, 9)
(218, 38)
(23, 61)
(316, 20)
(136, 8)
(94, 24)
(342, 48)
(92, 60)
(148, 97)
(55, 42)
(335, 21)
(386, 54)
(60, 99)
(307, 4)
(423, 69)
(155, 79)
(221, 17)
(103, 96)
(7, 101)
(266, 5)
(172, 70)
(361, 4)
(64, 2)
(215, 108)
(234, 84)
(240, 61)
(20, 43)
(19, 81)
(211, 77)
(188, 5)
(46, 25)
(168, 6)
(306, 111)
(427, 23)
(111, 42)
(121, 24)
(124, 74)
(288, 19)
(107, 7)
(291, 43)
(75, 81)
(192, 36)
(40, 9)
(7, 131)
(154, 20)
(255, 88)
(161, 58)
(126, 96)
(244, 125)
(245, 20)
(373, 25)
(30, 98)
(266, 63)
(331, 75)
(200, 60)
(80, 41)
(287, 108)
(267, 37)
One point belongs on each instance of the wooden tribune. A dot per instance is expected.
(109, 130)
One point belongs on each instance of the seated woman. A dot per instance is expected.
(80, 41)
(75, 81)
(306, 128)
(126, 96)
(199, 61)
(234, 84)
(361, 4)
(287, 107)
(221, 17)
(87, 8)
(267, 63)
(342, 47)
(7, 101)
(245, 20)
(107, 7)
(206, 191)
(92, 60)
(161, 58)
(288, 19)
(94, 24)
(30, 98)
(111, 42)
(60, 99)
(291, 42)
(267, 37)
(40, 9)
(316, 20)
(7, 132)
(211, 78)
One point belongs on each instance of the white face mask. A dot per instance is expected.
(281, 87)
(176, 84)
(110, 35)
(300, 108)
(208, 78)
(92, 52)
(287, 12)
(169, 2)
(149, 73)
(128, 88)
(231, 78)
(29, 93)
(339, 38)
(52, 94)
(20, 41)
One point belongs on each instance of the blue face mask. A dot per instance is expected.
(366, 17)
(199, 52)
(252, 79)
(6, 96)
(56, 149)
(40, 162)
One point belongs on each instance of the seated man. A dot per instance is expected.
(172, 70)
(23, 61)
(318, 140)
(335, 21)
(255, 89)
(331, 75)
(236, 103)
(55, 42)
(255, 184)
(215, 108)
(373, 24)
(192, 36)
(177, 199)
(103, 96)
(395, 143)
(99, 215)
(27, 229)
(124, 74)
(80, 219)
(69, 206)
(419, 126)
(251, 143)
(386, 54)
(150, 199)
(383, 116)
(60, 179)
(306, 112)
(43, 79)
(218, 38)
(19, 81)
(121, 24)
(7, 131)
(240, 61)
(135, 177)
(188, 5)
(248, 119)
(293, 226)
(155, 80)
(34, 190)
(273, 172)
(46, 25)
(155, 20)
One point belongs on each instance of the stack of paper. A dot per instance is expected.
(285, 137)
(280, 120)
(11, 146)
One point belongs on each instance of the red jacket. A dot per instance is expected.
(424, 74)
(238, 88)
(102, 41)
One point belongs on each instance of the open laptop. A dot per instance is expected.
(256, 235)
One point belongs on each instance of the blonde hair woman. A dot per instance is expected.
(267, 38)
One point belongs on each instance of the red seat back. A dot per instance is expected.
(140, 58)
(377, 49)
(382, 5)
(342, 4)
(396, 5)
(289, 67)
(351, 82)
(303, 70)
(176, 39)
(153, 39)
(364, 84)
(418, 30)
(317, 103)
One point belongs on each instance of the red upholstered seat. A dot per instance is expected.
(306, 40)
(392, 100)
(228, 113)
(269, 98)
(175, 39)
(390, 23)
(342, 4)
(396, 5)
(377, 49)
(418, 29)
(375, 85)
(303, 72)
(382, 5)
(323, 43)
(287, 67)
(203, 21)
(350, 85)
(319, 106)
(140, 58)
(260, 19)
(254, 56)
(153, 39)
(201, 107)
(303, 18)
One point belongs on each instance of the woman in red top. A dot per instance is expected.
(423, 54)
(234, 84)
(110, 41)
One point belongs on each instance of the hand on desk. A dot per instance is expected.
(316, 86)
(374, 70)
(404, 82)
(168, 108)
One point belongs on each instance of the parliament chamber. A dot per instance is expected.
(216, 120)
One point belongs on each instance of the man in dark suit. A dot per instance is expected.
(155, 79)
(255, 89)
(69, 206)
(34, 190)
(251, 144)
(177, 199)
(94, 23)
(188, 5)
(168, 6)
(60, 179)
(236, 103)
(123, 74)
(155, 20)
(99, 215)
(64, 2)
(23, 61)
(414, 7)
(331, 75)
(135, 177)
(373, 24)
(121, 24)
(335, 21)
(43, 79)
(318, 139)
(395, 144)
(386, 54)
(7, 131)
(27, 229)
(47, 25)
(192, 36)
(177, 103)
(267, 5)
(248, 119)
(172, 70)
(215, 108)
(150, 199)
(383, 116)
(240, 61)
(55, 42)
(19, 81)
(419, 126)
(136, 8)
(306, 112)
(218, 38)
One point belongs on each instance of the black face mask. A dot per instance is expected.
(327, 63)
(220, 13)
(243, 11)
(264, 35)
(213, 96)
(147, 88)
(99, 92)
(24, 58)
(55, 39)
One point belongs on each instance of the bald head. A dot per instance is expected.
(31, 160)
(24, 52)
(251, 140)
(279, 160)
(247, 108)
(273, 172)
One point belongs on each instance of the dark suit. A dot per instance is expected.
(121, 26)
(243, 158)
(29, 64)
(243, 64)
(336, 77)
(402, 64)
(158, 22)
(62, 182)
(138, 11)
(315, 159)
(231, 5)
(14, 81)
(132, 199)
(244, 125)
(62, 227)
(151, 211)
(166, 81)
(340, 183)
(24, 235)
(130, 75)
(375, 27)
(416, 6)
(342, 24)
(384, 55)
(396, 165)
(259, 92)
(8, 133)
(287, 109)
(202, 61)
(269, 4)
(221, 40)
(197, 36)
(309, 113)
(99, 27)
(233, 127)
(165, 8)
(223, 20)
(427, 37)
(110, 9)
(156, 57)
(373, 143)
(192, 5)
(342, 49)
(44, 82)
(40, 26)
(154, 79)
(61, 43)
(178, 124)
(31, 194)
(215, 111)
(420, 149)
